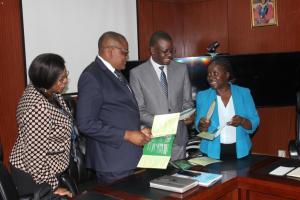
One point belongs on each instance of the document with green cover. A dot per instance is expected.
(203, 161)
(157, 152)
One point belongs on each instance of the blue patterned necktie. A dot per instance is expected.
(163, 81)
(122, 79)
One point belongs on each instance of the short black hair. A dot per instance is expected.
(45, 70)
(157, 36)
(225, 63)
(110, 35)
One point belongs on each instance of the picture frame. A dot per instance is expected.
(264, 13)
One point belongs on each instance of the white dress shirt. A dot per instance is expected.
(228, 133)
(157, 70)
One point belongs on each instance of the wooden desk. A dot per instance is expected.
(242, 179)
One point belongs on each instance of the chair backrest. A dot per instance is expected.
(192, 148)
(77, 168)
(7, 187)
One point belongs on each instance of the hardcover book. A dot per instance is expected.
(173, 183)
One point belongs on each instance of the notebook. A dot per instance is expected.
(173, 183)
(205, 179)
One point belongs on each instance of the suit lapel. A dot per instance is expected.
(172, 81)
(115, 79)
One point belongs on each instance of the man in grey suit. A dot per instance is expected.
(162, 86)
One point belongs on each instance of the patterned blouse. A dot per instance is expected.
(43, 145)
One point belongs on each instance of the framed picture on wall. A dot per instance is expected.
(264, 12)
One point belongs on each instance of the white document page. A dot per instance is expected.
(281, 171)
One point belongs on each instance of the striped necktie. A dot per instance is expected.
(122, 79)
(163, 81)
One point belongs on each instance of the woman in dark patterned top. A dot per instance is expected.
(42, 149)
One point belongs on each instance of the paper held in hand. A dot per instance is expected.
(157, 152)
(205, 134)
(165, 124)
(211, 110)
(211, 135)
(186, 113)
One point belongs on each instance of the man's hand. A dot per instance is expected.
(147, 132)
(190, 119)
(138, 137)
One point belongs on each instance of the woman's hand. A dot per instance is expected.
(204, 124)
(63, 192)
(240, 121)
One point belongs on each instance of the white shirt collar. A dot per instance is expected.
(156, 68)
(107, 64)
(156, 65)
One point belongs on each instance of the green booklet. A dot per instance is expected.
(157, 152)
(181, 164)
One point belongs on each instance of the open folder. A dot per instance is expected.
(211, 135)
(157, 152)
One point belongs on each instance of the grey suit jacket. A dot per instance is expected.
(151, 100)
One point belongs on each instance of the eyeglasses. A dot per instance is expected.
(167, 51)
(64, 77)
(123, 50)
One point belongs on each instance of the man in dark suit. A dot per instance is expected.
(162, 86)
(107, 113)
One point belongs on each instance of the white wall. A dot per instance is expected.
(71, 28)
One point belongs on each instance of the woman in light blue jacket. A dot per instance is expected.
(234, 115)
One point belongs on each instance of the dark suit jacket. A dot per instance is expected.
(105, 109)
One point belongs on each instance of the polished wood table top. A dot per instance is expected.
(246, 178)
